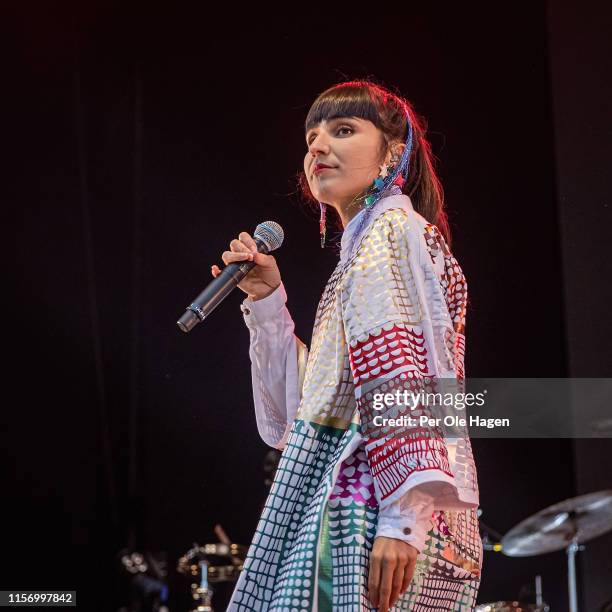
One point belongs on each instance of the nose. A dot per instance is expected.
(318, 146)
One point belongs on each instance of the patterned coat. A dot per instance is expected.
(391, 318)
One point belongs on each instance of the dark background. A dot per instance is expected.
(140, 140)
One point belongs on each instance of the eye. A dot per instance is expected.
(338, 130)
(345, 127)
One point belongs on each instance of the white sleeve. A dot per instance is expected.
(409, 518)
(274, 353)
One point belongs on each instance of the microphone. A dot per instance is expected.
(268, 236)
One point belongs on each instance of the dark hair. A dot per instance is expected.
(366, 99)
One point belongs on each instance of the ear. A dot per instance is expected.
(394, 151)
(398, 149)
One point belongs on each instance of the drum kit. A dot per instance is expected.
(567, 526)
(211, 564)
(222, 562)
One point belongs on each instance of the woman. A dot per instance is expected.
(363, 513)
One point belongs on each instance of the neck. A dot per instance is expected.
(347, 209)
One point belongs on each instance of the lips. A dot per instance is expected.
(320, 167)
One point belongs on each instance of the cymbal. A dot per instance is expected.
(581, 518)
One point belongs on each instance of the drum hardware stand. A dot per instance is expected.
(202, 593)
(538, 590)
(571, 550)
(487, 543)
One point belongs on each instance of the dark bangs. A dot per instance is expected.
(349, 100)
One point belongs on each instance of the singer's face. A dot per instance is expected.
(354, 148)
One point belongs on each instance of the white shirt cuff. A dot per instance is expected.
(408, 519)
(266, 309)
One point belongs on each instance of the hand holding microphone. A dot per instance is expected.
(248, 257)
(263, 279)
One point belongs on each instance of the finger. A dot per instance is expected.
(396, 584)
(374, 579)
(386, 581)
(262, 259)
(408, 574)
(245, 237)
(239, 247)
(215, 270)
(229, 257)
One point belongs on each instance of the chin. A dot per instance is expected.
(326, 195)
(321, 194)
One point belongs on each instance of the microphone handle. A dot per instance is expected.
(217, 291)
(220, 288)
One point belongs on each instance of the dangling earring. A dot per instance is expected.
(384, 170)
(322, 224)
(379, 182)
(399, 179)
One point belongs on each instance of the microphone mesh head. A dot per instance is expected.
(270, 233)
